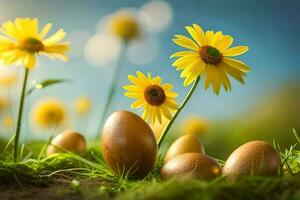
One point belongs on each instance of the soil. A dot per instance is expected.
(60, 189)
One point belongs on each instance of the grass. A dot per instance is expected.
(86, 176)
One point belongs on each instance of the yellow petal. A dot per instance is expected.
(201, 34)
(224, 43)
(171, 94)
(235, 51)
(235, 73)
(45, 30)
(58, 48)
(195, 35)
(167, 86)
(138, 103)
(184, 53)
(186, 42)
(136, 81)
(30, 61)
(142, 77)
(132, 88)
(217, 37)
(166, 112)
(133, 95)
(55, 38)
(236, 64)
(209, 37)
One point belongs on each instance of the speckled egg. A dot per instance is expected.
(185, 144)
(129, 145)
(195, 165)
(257, 158)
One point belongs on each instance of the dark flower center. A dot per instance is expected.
(154, 95)
(31, 45)
(210, 55)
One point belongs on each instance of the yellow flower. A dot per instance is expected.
(194, 125)
(157, 100)
(21, 40)
(49, 113)
(8, 81)
(4, 103)
(8, 122)
(82, 105)
(209, 55)
(158, 128)
(124, 25)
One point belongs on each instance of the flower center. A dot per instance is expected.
(31, 45)
(154, 95)
(210, 55)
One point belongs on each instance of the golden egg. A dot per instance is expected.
(194, 165)
(185, 144)
(129, 145)
(67, 140)
(255, 158)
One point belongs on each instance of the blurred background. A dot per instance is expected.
(266, 107)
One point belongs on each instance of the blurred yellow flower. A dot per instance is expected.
(158, 128)
(157, 100)
(49, 113)
(82, 105)
(209, 54)
(4, 103)
(21, 40)
(8, 81)
(124, 25)
(194, 125)
(8, 122)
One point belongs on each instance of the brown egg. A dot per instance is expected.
(129, 145)
(185, 144)
(195, 165)
(68, 140)
(256, 158)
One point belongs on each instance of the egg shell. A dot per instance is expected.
(68, 140)
(185, 144)
(195, 165)
(257, 158)
(129, 145)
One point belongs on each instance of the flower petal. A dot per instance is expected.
(236, 64)
(186, 42)
(235, 51)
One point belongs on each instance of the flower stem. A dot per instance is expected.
(187, 98)
(20, 113)
(115, 81)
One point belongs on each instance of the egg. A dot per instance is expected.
(67, 140)
(129, 145)
(195, 165)
(257, 158)
(185, 144)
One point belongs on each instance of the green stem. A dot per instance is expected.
(20, 113)
(187, 98)
(115, 81)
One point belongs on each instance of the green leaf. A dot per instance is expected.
(46, 83)
(296, 136)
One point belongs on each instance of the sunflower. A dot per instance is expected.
(20, 41)
(124, 25)
(209, 55)
(157, 100)
(49, 113)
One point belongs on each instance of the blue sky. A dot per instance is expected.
(269, 27)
